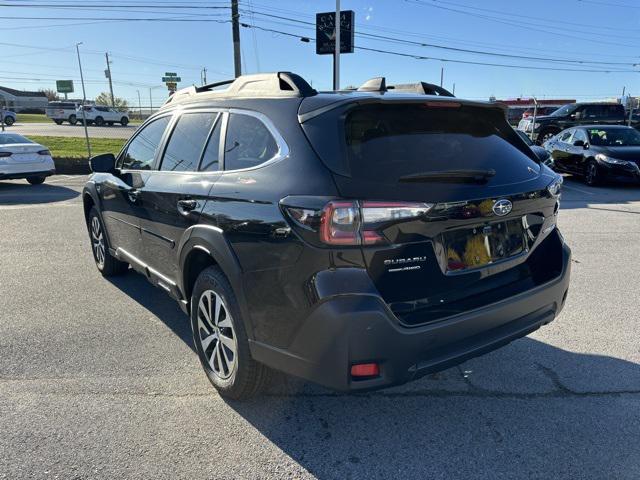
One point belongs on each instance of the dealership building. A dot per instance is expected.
(21, 100)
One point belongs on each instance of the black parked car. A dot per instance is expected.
(543, 155)
(573, 115)
(356, 239)
(598, 153)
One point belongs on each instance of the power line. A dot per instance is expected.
(521, 24)
(449, 60)
(455, 49)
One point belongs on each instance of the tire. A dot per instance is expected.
(99, 121)
(545, 135)
(124, 121)
(8, 121)
(592, 175)
(107, 264)
(235, 375)
(35, 180)
(58, 122)
(73, 119)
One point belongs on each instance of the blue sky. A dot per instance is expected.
(606, 31)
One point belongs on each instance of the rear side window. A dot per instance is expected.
(187, 142)
(141, 151)
(386, 142)
(248, 143)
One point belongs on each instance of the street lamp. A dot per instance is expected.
(84, 99)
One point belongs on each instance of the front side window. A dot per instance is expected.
(579, 135)
(141, 151)
(566, 136)
(187, 142)
(248, 143)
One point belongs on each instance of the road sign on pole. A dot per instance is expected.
(171, 79)
(64, 86)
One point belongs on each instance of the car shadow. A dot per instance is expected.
(157, 302)
(527, 410)
(18, 192)
(577, 194)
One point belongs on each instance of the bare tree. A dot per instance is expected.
(51, 94)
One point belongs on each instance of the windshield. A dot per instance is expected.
(12, 139)
(614, 137)
(564, 110)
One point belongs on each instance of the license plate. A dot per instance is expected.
(483, 245)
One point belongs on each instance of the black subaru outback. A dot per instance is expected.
(357, 239)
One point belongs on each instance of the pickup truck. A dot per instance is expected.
(573, 115)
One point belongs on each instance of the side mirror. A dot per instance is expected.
(579, 143)
(105, 163)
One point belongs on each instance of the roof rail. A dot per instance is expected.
(422, 88)
(379, 84)
(256, 85)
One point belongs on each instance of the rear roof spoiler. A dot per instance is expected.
(379, 84)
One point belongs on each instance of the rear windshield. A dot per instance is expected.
(390, 141)
(12, 139)
(61, 105)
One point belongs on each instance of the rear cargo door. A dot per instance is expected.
(484, 188)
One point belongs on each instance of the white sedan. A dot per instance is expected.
(22, 158)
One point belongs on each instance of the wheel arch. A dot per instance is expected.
(204, 246)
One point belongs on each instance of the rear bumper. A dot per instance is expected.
(345, 329)
(25, 174)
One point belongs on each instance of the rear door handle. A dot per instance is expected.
(187, 206)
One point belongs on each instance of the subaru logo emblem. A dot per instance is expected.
(502, 207)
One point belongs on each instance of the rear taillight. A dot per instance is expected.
(352, 222)
(44, 152)
(5, 154)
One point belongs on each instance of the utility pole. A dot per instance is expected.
(204, 75)
(441, 76)
(336, 57)
(139, 104)
(113, 99)
(235, 28)
(84, 99)
(150, 103)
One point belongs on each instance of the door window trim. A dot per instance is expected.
(283, 148)
(150, 120)
(177, 114)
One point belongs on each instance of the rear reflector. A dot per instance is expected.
(5, 154)
(44, 152)
(365, 370)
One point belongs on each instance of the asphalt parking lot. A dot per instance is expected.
(98, 378)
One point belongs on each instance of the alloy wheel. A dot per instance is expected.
(216, 335)
(97, 240)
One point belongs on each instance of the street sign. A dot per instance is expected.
(171, 79)
(64, 86)
(326, 32)
(171, 74)
(172, 86)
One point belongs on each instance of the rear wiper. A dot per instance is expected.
(450, 176)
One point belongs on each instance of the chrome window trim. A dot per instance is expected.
(283, 147)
